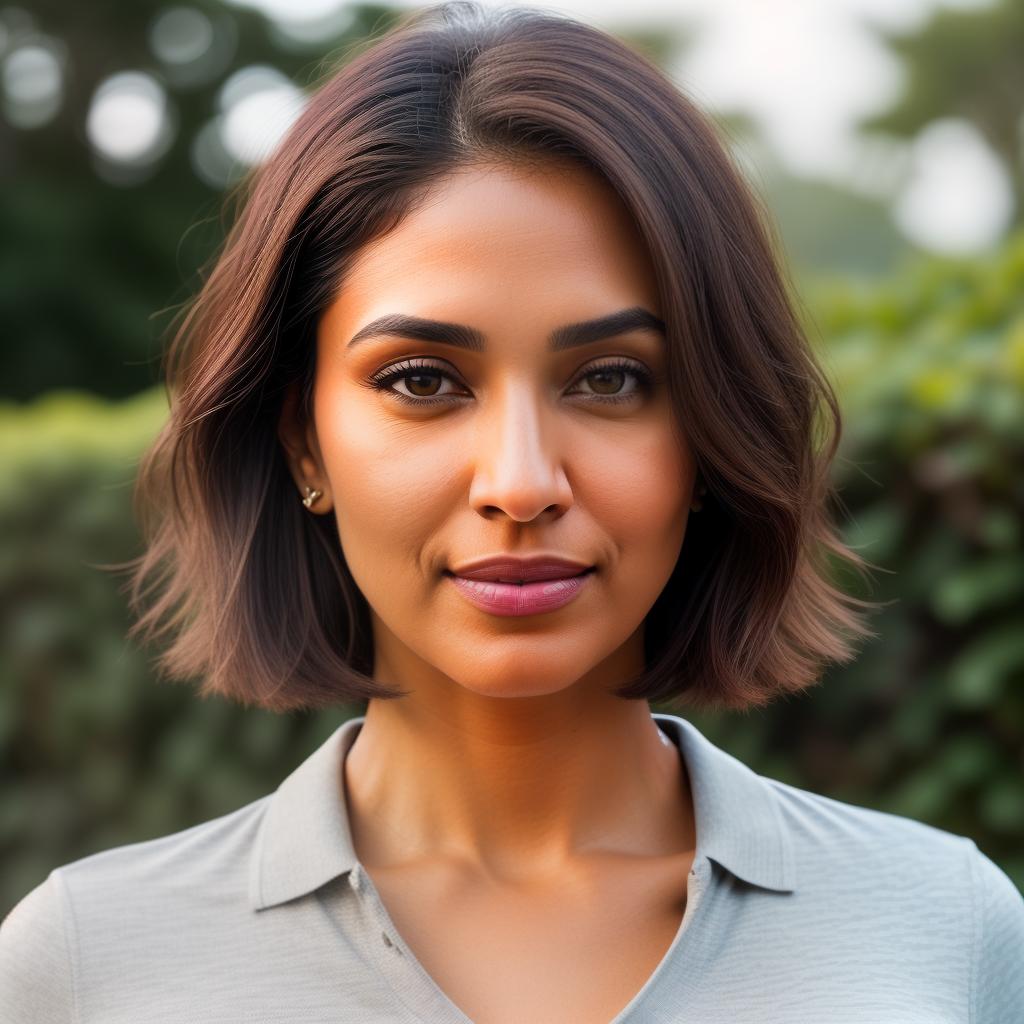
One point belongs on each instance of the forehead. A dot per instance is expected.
(501, 233)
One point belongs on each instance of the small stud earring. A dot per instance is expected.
(311, 495)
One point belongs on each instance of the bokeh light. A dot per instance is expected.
(129, 125)
(181, 35)
(958, 199)
(258, 104)
(33, 83)
(193, 47)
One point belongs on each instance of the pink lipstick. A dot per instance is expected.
(512, 585)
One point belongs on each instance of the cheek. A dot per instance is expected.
(387, 480)
(645, 511)
(639, 492)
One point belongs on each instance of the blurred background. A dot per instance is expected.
(886, 140)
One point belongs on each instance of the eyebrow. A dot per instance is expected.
(569, 336)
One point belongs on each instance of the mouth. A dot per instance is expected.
(511, 595)
(519, 581)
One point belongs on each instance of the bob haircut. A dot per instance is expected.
(256, 591)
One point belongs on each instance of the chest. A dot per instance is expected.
(574, 952)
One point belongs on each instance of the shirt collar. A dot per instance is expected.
(738, 819)
(304, 839)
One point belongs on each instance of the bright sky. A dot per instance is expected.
(805, 69)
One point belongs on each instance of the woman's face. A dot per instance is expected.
(507, 447)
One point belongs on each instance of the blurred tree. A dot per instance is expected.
(88, 257)
(823, 225)
(965, 64)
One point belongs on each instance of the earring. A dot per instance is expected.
(311, 495)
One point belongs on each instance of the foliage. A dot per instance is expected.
(965, 64)
(87, 261)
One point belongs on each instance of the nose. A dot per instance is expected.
(518, 459)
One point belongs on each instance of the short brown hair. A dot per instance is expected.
(256, 591)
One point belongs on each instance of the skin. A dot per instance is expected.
(509, 781)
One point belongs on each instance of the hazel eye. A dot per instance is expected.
(423, 384)
(423, 378)
(609, 378)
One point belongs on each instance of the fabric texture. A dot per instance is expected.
(801, 909)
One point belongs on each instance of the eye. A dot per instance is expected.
(426, 380)
(610, 376)
(423, 375)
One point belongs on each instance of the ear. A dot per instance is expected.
(297, 434)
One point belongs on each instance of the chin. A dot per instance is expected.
(511, 676)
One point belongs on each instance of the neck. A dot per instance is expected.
(514, 787)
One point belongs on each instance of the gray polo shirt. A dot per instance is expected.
(801, 910)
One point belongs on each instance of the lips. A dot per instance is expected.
(507, 586)
(513, 569)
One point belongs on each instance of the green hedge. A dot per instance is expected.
(928, 722)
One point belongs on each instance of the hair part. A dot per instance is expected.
(254, 592)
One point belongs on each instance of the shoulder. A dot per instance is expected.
(42, 938)
(36, 958)
(998, 937)
(918, 880)
(193, 857)
(872, 842)
(844, 852)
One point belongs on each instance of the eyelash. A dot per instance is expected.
(381, 381)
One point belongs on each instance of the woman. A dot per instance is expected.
(494, 413)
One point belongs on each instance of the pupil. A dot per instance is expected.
(613, 374)
(421, 377)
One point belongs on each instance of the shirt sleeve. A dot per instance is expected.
(998, 968)
(35, 964)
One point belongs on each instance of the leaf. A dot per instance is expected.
(978, 587)
(977, 677)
